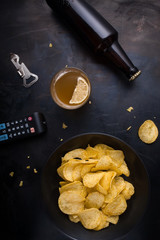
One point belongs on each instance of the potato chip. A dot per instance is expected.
(68, 170)
(123, 169)
(101, 189)
(72, 196)
(60, 171)
(107, 179)
(118, 184)
(91, 179)
(128, 190)
(71, 186)
(91, 152)
(103, 223)
(94, 200)
(76, 153)
(112, 219)
(116, 207)
(148, 132)
(74, 218)
(75, 186)
(112, 193)
(106, 224)
(71, 171)
(117, 156)
(107, 163)
(90, 218)
(101, 148)
(71, 208)
(76, 175)
(86, 168)
(104, 163)
(71, 202)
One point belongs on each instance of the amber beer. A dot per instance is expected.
(70, 88)
(96, 31)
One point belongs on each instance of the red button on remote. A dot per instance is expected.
(32, 130)
(29, 118)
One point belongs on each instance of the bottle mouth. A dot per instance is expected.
(135, 75)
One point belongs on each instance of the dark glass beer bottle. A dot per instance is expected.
(99, 34)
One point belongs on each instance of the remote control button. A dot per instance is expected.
(23, 132)
(17, 127)
(29, 118)
(14, 134)
(26, 125)
(32, 130)
(21, 126)
(12, 123)
(19, 133)
(2, 126)
(13, 129)
(9, 130)
(3, 137)
(20, 121)
(25, 119)
(10, 135)
(16, 122)
(8, 124)
(28, 130)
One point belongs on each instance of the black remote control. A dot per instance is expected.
(27, 126)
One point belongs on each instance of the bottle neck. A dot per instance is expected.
(116, 54)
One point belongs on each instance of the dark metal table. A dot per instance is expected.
(27, 29)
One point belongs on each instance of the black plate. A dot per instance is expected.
(136, 205)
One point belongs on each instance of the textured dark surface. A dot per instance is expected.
(27, 28)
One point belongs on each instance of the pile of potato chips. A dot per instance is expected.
(93, 191)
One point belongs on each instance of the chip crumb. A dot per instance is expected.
(61, 139)
(129, 128)
(90, 102)
(21, 184)
(50, 45)
(28, 167)
(66, 66)
(28, 156)
(11, 174)
(134, 116)
(35, 170)
(64, 126)
(130, 109)
(154, 117)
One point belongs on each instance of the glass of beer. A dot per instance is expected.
(70, 88)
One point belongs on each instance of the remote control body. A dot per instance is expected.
(27, 126)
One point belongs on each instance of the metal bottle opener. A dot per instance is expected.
(23, 71)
